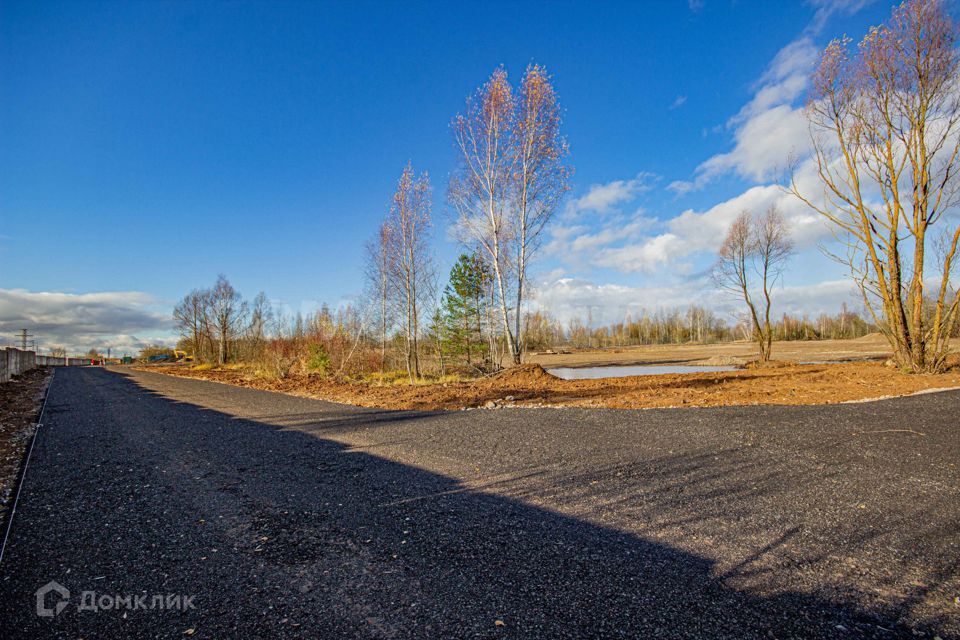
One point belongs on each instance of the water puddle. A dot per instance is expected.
(592, 373)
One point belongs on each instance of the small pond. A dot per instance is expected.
(592, 373)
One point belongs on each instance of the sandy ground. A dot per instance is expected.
(530, 385)
(873, 346)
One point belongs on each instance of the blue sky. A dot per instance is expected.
(145, 147)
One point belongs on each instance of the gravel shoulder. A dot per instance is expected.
(291, 517)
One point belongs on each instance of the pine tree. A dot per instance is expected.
(462, 301)
(438, 333)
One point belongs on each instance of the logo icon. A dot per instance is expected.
(64, 595)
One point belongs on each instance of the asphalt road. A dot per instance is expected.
(251, 514)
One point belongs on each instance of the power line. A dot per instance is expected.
(23, 338)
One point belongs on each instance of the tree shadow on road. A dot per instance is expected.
(345, 543)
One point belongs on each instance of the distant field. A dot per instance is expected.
(868, 347)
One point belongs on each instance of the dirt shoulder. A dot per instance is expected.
(20, 402)
(531, 385)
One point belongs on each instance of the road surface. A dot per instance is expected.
(171, 507)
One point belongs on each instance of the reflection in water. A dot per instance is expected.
(592, 373)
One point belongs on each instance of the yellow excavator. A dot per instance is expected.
(181, 356)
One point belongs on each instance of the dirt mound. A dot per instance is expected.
(770, 364)
(724, 361)
(522, 374)
(953, 363)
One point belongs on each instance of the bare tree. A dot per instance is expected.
(58, 352)
(510, 180)
(261, 316)
(752, 258)
(191, 316)
(408, 257)
(884, 127)
(377, 271)
(227, 310)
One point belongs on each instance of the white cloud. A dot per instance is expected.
(813, 299)
(639, 243)
(123, 320)
(785, 78)
(646, 256)
(596, 220)
(567, 299)
(618, 230)
(826, 9)
(682, 187)
(763, 146)
(694, 232)
(570, 298)
(601, 198)
(580, 243)
(768, 129)
(678, 102)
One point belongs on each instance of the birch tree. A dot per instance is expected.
(539, 178)
(479, 189)
(408, 257)
(510, 179)
(377, 271)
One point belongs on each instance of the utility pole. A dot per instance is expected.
(23, 338)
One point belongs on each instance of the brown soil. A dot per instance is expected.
(531, 385)
(873, 346)
(20, 401)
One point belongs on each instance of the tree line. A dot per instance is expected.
(461, 333)
(218, 325)
(695, 324)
